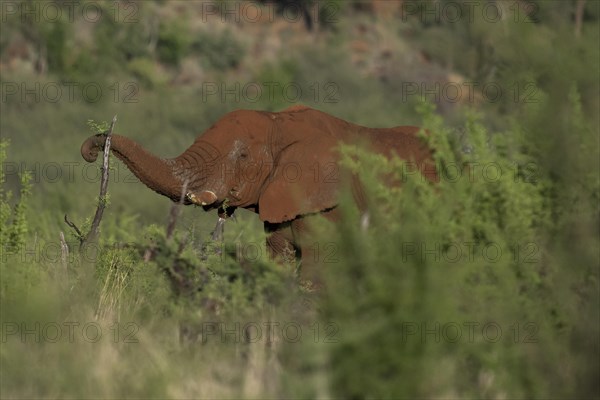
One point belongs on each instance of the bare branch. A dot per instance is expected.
(93, 234)
(171, 222)
(224, 214)
(149, 254)
(72, 225)
(174, 214)
(64, 250)
(217, 234)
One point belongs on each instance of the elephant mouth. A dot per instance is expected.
(208, 200)
(224, 209)
(214, 206)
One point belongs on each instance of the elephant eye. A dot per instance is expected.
(243, 155)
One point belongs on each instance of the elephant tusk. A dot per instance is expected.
(205, 198)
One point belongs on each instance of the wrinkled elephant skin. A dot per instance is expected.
(282, 165)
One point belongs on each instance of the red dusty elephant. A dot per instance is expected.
(281, 165)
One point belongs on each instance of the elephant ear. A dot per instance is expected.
(304, 180)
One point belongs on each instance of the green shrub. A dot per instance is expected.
(440, 260)
(13, 217)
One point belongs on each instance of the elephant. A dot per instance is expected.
(284, 166)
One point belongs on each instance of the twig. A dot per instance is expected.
(217, 234)
(64, 253)
(224, 213)
(171, 222)
(149, 253)
(93, 234)
(174, 214)
(72, 225)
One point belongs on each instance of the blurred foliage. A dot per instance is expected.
(13, 218)
(422, 267)
(219, 51)
(393, 281)
(172, 43)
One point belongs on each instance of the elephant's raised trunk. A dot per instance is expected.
(163, 176)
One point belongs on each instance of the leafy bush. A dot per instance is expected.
(13, 217)
(452, 290)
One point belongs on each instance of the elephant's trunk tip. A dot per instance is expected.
(90, 148)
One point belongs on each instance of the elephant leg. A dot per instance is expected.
(280, 242)
(308, 254)
(314, 254)
(296, 237)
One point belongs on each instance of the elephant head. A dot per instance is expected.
(280, 165)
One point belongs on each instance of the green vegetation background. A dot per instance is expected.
(387, 326)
